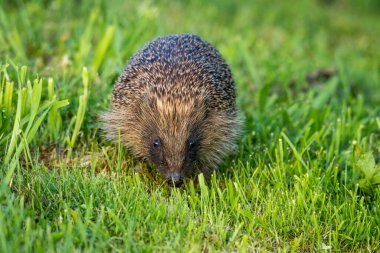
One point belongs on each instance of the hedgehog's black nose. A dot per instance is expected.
(174, 180)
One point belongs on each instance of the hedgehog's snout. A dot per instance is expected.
(174, 180)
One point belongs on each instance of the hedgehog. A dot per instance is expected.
(174, 107)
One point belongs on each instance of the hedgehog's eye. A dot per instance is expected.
(156, 142)
(192, 143)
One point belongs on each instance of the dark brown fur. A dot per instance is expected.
(174, 106)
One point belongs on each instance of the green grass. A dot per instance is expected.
(307, 171)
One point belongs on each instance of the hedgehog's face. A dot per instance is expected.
(173, 136)
(174, 157)
(179, 135)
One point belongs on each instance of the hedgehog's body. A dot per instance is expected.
(174, 106)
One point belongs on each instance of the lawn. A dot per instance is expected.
(307, 173)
